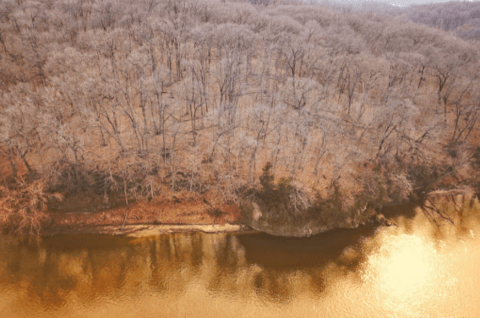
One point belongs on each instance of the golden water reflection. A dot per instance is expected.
(412, 270)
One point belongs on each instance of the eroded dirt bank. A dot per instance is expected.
(149, 218)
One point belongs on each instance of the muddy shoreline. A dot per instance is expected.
(143, 230)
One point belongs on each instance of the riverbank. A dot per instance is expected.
(149, 218)
(143, 230)
(136, 225)
(278, 208)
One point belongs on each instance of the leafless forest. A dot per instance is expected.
(461, 17)
(135, 100)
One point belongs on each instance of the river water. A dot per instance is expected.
(413, 270)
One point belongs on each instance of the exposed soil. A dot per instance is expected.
(120, 220)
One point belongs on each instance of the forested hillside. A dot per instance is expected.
(128, 101)
(460, 17)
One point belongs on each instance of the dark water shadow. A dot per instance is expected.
(71, 243)
(284, 253)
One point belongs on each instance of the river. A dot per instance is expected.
(415, 269)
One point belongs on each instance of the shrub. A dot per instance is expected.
(385, 185)
(282, 201)
(23, 206)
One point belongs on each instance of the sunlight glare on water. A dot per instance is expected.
(404, 267)
(402, 272)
